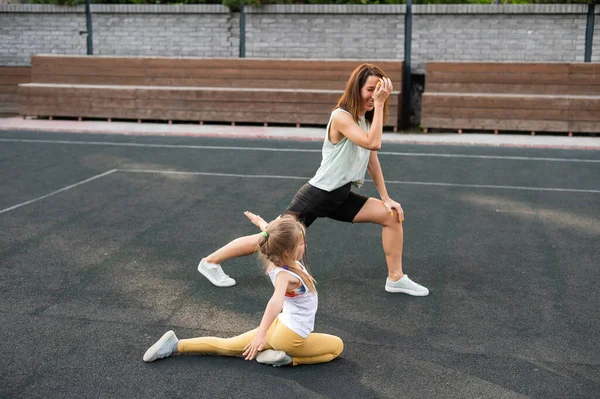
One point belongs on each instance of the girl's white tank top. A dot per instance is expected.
(299, 305)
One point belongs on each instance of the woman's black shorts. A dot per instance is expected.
(311, 203)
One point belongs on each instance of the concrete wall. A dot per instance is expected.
(440, 32)
(160, 30)
(498, 33)
(326, 31)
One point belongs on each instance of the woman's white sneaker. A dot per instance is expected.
(164, 347)
(274, 358)
(215, 274)
(406, 286)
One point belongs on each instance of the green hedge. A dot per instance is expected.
(234, 4)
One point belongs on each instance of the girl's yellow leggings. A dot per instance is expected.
(316, 348)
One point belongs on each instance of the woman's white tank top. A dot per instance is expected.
(342, 162)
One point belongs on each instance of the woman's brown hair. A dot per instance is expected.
(285, 234)
(352, 100)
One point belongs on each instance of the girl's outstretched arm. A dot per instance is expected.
(256, 220)
(282, 281)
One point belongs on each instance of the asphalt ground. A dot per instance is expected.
(100, 236)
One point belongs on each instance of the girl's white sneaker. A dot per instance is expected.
(164, 347)
(274, 358)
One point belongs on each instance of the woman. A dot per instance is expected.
(352, 139)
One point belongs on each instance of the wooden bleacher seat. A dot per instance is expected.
(535, 97)
(286, 91)
(10, 77)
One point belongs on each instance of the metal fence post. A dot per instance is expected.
(589, 32)
(88, 23)
(242, 30)
(406, 89)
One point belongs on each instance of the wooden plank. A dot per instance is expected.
(220, 95)
(51, 91)
(24, 71)
(584, 102)
(267, 97)
(44, 61)
(71, 102)
(493, 124)
(249, 83)
(7, 80)
(498, 113)
(276, 107)
(67, 101)
(214, 63)
(497, 77)
(237, 116)
(10, 78)
(166, 94)
(184, 115)
(233, 73)
(27, 110)
(190, 82)
(88, 80)
(461, 100)
(584, 90)
(9, 107)
(12, 89)
(586, 79)
(307, 66)
(189, 73)
(587, 68)
(498, 88)
(9, 97)
(275, 65)
(269, 117)
(584, 115)
(233, 106)
(75, 110)
(498, 67)
(80, 70)
(584, 127)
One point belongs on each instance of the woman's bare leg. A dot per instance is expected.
(392, 235)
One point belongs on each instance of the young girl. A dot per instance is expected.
(285, 335)
(352, 139)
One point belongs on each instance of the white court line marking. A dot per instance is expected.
(174, 172)
(234, 148)
(58, 191)
(517, 211)
(568, 190)
(510, 158)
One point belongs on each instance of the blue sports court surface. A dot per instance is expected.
(100, 237)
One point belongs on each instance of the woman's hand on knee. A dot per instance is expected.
(392, 205)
